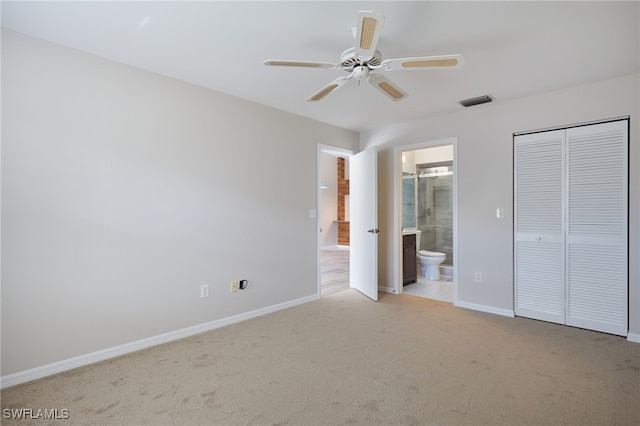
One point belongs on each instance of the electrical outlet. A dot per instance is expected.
(478, 277)
(234, 286)
(204, 291)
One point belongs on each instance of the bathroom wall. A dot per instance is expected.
(434, 155)
(409, 162)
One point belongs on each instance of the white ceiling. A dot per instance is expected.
(511, 49)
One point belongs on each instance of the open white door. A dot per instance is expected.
(363, 233)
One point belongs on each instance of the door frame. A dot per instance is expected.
(337, 152)
(397, 211)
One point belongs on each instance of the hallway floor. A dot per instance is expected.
(335, 270)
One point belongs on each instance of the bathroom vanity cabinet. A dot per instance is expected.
(409, 260)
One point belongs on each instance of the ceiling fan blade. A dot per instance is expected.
(304, 64)
(423, 63)
(387, 87)
(367, 33)
(335, 84)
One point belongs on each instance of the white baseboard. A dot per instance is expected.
(488, 309)
(387, 289)
(633, 337)
(93, 357)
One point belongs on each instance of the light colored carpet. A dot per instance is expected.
(347, 360)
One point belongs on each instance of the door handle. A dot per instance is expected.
(373, 230)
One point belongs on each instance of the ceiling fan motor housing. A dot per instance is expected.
(349, 60)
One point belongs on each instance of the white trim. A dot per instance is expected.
(456, 293)
(584, 123)
(397, 219)
(93, 357)
(487, 309)
(387, 289)
(633, 337)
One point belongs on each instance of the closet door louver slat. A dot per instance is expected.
(540, 291)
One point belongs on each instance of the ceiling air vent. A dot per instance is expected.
(476, 101)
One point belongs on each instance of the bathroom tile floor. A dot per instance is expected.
(438, 290)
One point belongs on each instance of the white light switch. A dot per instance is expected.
(204, 291)
(312, 214)
(499, 213)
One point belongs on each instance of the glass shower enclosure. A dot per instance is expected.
(427, 204)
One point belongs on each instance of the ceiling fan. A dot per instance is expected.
(363, 61)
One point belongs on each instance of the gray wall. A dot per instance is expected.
(485, 180)
(124, 191)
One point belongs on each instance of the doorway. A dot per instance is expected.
(426, 216)
(334, 207)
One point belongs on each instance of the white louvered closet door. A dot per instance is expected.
(539, 232)
(597, 179)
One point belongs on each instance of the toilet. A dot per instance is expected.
(429, 260)
(430, 264)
